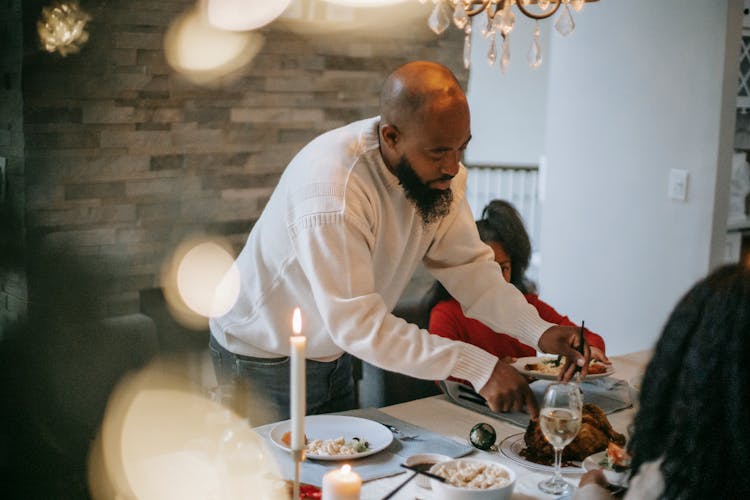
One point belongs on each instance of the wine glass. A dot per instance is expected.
(560, 419)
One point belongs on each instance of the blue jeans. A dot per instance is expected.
(261, 385)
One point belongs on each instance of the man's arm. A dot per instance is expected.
(335, 254)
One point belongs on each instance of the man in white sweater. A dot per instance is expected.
(353, 214)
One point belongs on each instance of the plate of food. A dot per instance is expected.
(335, 437)
(547, 368)
(531, 449)
(614, 462)
(514, 448)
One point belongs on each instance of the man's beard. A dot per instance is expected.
(432, 204)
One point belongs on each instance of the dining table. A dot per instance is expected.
(440, 415)
(448, 423)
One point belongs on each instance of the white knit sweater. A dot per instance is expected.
(339, 239)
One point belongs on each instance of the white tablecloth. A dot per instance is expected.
(440, 415)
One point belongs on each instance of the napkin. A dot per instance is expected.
(608, 393)
(385, 463)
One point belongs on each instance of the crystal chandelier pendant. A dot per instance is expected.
(534, 55)
(492, 52)
(577, 4)
(490, 27)
(505, 60)
(467, 46)
(564, 24)
(440, 18)
(508, 19)
(543, 4)
(460, 18)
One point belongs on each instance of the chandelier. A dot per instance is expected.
(500, 20)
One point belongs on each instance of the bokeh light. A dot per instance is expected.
(200, 280)
(389, 20)
(162, 438)
(199, 274)
(203, 53)
(365, 3)
(62, 28)
(243, 15)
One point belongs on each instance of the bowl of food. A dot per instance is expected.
(472, 479)
(424, 462)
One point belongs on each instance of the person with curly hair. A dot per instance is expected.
(501, 228)
(691, 438)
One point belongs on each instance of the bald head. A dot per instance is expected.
(415, 89)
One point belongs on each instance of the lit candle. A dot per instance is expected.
(341, 484)
(297, 400)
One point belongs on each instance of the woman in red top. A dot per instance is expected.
(501, 227)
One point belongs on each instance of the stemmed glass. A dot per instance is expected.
(560, 419)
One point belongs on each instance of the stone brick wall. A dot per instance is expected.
(13, 296)
(125, 158)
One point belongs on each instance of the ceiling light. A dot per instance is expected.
(500, 20)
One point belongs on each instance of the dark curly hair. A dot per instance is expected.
(695, 403)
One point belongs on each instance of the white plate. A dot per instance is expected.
(334, 426)
(521, 362)
(593, 462)
(511, 447)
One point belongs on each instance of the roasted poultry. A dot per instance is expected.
(594, 436)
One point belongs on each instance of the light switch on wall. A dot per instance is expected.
(678, 180)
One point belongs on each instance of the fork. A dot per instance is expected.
(399, 434)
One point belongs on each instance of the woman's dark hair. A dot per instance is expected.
(500, 223)
(695, 402)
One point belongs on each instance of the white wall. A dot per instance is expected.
(636, 90)
(516, 98)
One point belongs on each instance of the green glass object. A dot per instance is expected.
(482, 436)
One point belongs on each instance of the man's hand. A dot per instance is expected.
(507, 390)
(565, 340)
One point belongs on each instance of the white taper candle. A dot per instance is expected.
(297, 400)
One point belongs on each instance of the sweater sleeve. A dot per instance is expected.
(334, 251)
(548, 313)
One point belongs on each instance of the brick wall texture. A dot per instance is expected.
(124, 158)
(13, 294)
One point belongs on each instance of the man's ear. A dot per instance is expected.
(390, 135)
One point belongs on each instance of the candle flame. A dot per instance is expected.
(346, 469)
(297, 321)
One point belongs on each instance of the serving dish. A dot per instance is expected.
(511, 447)
(448, 491)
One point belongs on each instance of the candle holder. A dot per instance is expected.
(298, 456)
